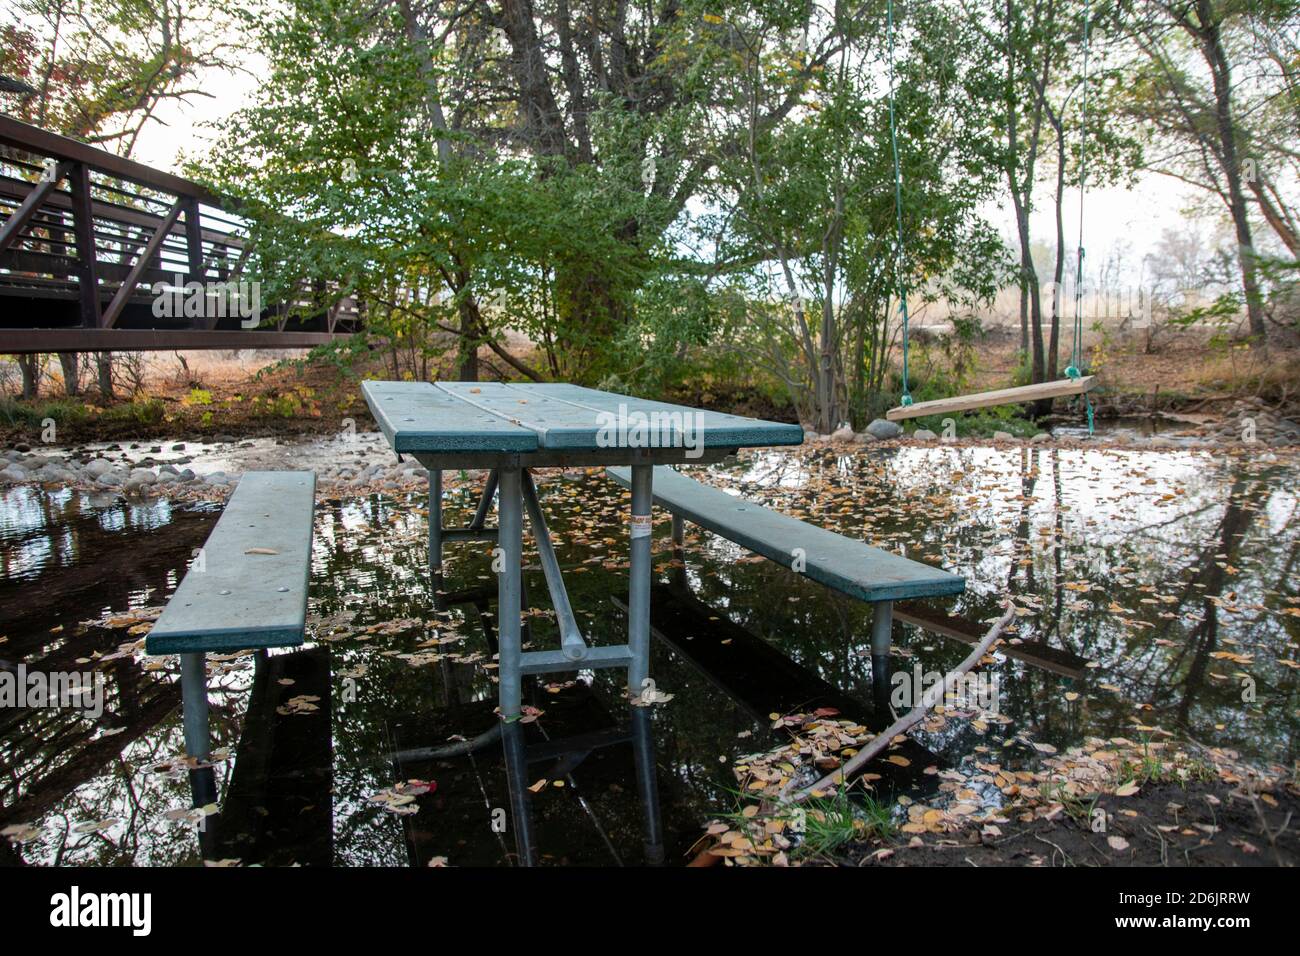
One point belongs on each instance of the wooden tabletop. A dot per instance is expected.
(499, 418)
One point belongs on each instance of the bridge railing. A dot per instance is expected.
(101, 253)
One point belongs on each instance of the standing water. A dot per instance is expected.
(1156, 598)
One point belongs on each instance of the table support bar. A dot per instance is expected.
(484, 501)
(571, 642)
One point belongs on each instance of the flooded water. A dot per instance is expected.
(1157, 595)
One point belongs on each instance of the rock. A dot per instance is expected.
(168, 470)
(13, 474)
(187, 475)
(1159, 441)
(223, 438)
(98, 466)
(23, 447)
(883, 428)
(167, 478)
(864, 438)
(1041, 437)
(179, 446)
(109, 480)
(843, 433)
(141, 476)
(1003, 436)
(924, 434)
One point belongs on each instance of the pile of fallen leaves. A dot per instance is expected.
(980, 794)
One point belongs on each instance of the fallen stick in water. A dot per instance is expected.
(913, 716)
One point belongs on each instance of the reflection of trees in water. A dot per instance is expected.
(370, 557)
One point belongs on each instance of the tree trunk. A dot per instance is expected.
(1058, 273)
(468, 349)
(29, 365)
(1029, 282)
(1212, 50)
(104, 365)
(71, 363)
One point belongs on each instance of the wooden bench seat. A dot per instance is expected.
(247, 588)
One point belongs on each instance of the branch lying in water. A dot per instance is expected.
(914, 716)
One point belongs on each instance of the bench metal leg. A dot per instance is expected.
(194, 705)
(571, 642)
(638, 598)
(679, 532)
(882, 626)
(435, 518)
(509, 583)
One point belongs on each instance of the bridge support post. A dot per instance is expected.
(83, 233)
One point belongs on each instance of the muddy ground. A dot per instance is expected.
(1202, 824)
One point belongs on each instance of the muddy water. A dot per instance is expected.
(1157, 594)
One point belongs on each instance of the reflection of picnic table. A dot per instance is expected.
(509, 430)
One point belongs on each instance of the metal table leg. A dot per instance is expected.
(882, 625)
(521, 810)
(638, 598)
(435, 519)
(643, 750)
(509, 582)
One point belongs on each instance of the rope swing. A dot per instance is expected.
(1075, 382)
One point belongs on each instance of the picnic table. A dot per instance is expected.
(510, 429)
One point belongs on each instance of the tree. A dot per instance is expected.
(814, 207)
(1215, 85)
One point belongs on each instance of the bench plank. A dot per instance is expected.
(240, 600)
(844, 564)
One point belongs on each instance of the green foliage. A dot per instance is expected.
(22, 414)
(832, 822)
(150, 411)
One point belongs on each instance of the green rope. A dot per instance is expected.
(898, 205)
(1074, 370)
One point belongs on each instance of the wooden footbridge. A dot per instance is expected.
(89, 241)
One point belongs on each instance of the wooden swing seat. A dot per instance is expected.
(1002, 396)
